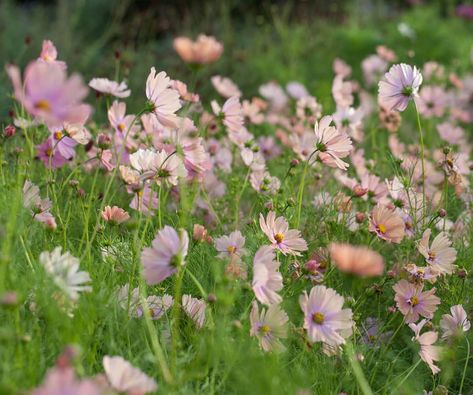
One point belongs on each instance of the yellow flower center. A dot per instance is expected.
(42, 105)
(432, 255)
(49, 152)
(121, 127)
(279, 237)
(382, 228)
(264, 329)
(58, 135)
(318, 318)
(231, 249)
(414, 301)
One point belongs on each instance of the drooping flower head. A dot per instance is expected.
(195, 309)
(267, 280)
(428, 352)
(455, 323)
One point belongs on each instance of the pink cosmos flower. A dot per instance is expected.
(386, 53)
(412, 302)
(331, 144)
(231, 113)
(268, 147)
(114, 215)
(268, 326)
(456, 323)
(296, 90)
(324, 318)
(440, 255)
(373, 68)
(48, 95)
(264, 183)
(181, 87)
(195, 309)
(40, 209)
(340, 67)
(104, 85)
(267, 281)
(49, 54)
(428, 352)
(252, 112)
(274, 93)
(432, 101)
(230, 245)
(124, 377)
(342, 92)
(358, 260)
(196, 159)
(50, 157)
(163, 99)
(387, 224)
(225, 86)
(206, 49)
(450, 133)
(307, 108)
(288, 241)
(401, 84)
(165, 256)
(118, 118)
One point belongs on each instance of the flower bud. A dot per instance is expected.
(442, 213)
(294, 162)
(211, 298)
(359, 191)
(9, 131)
(360, 217)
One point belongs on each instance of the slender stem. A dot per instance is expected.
(300, 193)
(176, 309)
(408, 375)
(422, 158)
(466, 364)
(238, 198)
(358, 371)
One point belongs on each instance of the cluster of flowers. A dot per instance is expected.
(162, 147)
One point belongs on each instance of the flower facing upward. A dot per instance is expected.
(104, 85)
(288, 241)
(124, 377)
(412, 302)
(456, 323)
(268, 326)
(401, 84)
(324, 318)
(428, 352)
(206, 49)
(440, 255)
(230, 245)
(114, 215)
(331, 145)
(387, 224)
(162, 98)
(165, 256)
(358, 260)
(267, 281)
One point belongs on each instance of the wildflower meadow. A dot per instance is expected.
(260, 204)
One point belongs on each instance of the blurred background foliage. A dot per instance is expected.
(264, 40)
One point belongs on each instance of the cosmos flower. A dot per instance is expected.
(65, 272)
(124, 377)
(225, 86)
(269, 326)
(324, 318)
(267, 280)
(358, 260)
(296, 90)
(432, 101)
(413, 302)
(264, 183)
(206, 49)
(40, 209)
(231, 113)
(104, 85)
(114, 215)
(49, 54)
(428, 352)
(455, 323)
(233, 244)
(400, 85)
(387, 224)
(331, 145)
(195, 309)
(163, 100)
(288, 241)
(165, 256)
(440, 255)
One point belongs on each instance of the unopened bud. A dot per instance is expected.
(9, 131)
(462, 272)
(446, 150)
(294, 162)
(104, 141)
(442, 213)
(360, 217)
(211, 298)
(359, 191)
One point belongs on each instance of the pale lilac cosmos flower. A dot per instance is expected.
(440, 255)
(268, 326)
(195, 309)
(231, 113)
(230, 245)
(267, 280)
(428, 352)
(165, 256)
(324, 317)
(455, 323)
(49, 54)
(113, 88)
(288, 241)
(225, 86)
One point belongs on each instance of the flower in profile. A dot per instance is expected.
(413, 302)
(115, 215)
(225, 86)
(456, 323)
(267, 280)
(195, 309)
(288, 241)
(108, 87)
(331, 145)
(163, 100)
(269, 326)
(358, 260)
(440, 255)
(49, 54)
(324, 317)
(165, 256)
(387, 224)
(156, 305)
(124, 377)
(40, 209)
(264, 183)
(230, 245)
(231, 113)
(206, 49)
(65, 272)
(400, 85)
(49, 95)
(428, 352)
